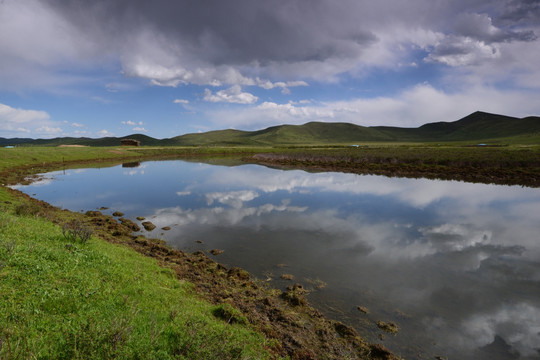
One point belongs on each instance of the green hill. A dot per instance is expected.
(217, 137)
(13, 141)
(317, 133)
(478, 126)
(310, 133)
(84, 141)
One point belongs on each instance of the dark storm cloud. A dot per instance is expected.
(476, 39)
(248, 42)
(227, 32)
(521, 12)
(480, 27)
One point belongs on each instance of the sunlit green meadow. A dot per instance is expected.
(64, 299)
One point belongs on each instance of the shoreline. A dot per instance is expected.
(473, 172)
(285, 317)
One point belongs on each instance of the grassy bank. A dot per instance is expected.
(64, 294)
(120, 296)
(65, 298)
(510, 164)
(23, 161)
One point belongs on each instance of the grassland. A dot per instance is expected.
(115, 295)
(126, 297)
(509, 164)
(64, 299)
(19, 162)
(478, 127)
(61, 298)
(120, 296)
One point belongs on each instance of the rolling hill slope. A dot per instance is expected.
(482, 125)
(106, 141)
(478, 126)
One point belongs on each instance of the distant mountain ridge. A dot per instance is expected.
(479, 126)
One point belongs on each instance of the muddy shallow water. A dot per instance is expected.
(455, 265)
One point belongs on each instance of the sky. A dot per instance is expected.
(168, 67)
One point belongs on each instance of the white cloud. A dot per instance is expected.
(77, 125)
(35, 39)
(517, 323)
(117, 87)
(233, 94)
(267, 84)
(52, 46)
(228, 216)
(158, 74)
(515, 66)
(9, 115)
(480, 26)
(20, 122)
(413, 107)
(139, 129)
(104, 133)
(235, 199)
(154, 57)
(47, 130)
(455, 237)
(131, 123)
(463, 51)
(169, 47)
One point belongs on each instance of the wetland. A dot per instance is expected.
(452, 268)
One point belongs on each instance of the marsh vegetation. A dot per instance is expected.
(250, 193)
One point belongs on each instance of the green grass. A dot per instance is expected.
(61, 299)
(18, 162)
(438, 154)
(39, 155)
(29, 156)
(508, 164)
(476, 127)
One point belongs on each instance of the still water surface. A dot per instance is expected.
(455, 265)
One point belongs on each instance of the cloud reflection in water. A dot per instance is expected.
(462, 266)
(462, 260)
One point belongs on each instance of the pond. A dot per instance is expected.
(455, 265)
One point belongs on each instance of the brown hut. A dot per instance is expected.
(130, 142)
